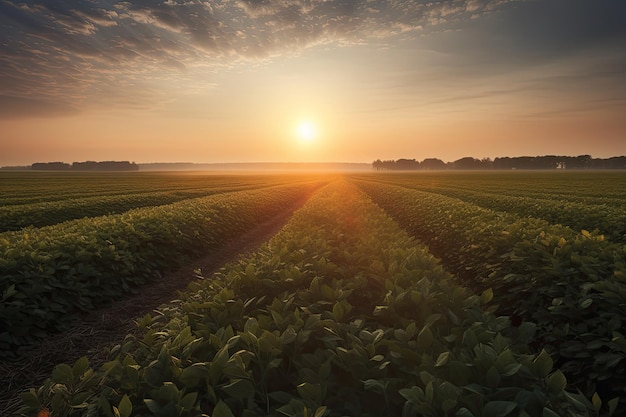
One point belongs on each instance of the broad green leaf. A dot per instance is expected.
(125, 407)
(188, 401)
(486, 296)
(557, 382)
(80, 366)
(493, 377)
(240, 389)
(194, 374)
(424, 339)
(549, 413)
(596, 401)
(442, 359)
(30, 399)
(613, 405)
(543, 364)
(63, 374)
(469, 338)
(320, 411)
(498, 408)
(464, 412)
(222, 410)
(308, 391)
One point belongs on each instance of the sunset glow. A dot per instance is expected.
(228, 81)
(306, 132)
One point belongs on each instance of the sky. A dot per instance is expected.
(310, 80)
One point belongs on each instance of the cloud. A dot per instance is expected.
(69, 51)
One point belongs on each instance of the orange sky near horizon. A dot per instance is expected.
(383, 80)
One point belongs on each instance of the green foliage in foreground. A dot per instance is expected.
(48, 274)
(573, 285)
(339, 314)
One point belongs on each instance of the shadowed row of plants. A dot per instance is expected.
(24, 188)
(571, 284)
(49, 274)
(48, 213)
(341, 313)
(569, 200)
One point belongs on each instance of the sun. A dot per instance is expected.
(306, 131)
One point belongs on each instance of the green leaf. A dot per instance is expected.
(498, 408)
(222, 410)
(464, 412)
(320, 411)
(9, 292)
(80, 366)
(448, 404)
(543, 364)
(486, 296)
(63, 374)
(194, 374)
(429, 391)
(493, 377)
(613, 405)
(125, 407)
(548, 413)
(30, 399)
(557, 382)
(414, 394)
(586, 303)
(424, 339)
(442, 359)
(596, 401)
(469, 338)
(374, 385)
(281, 397)
(240, 389)
(309, 391)
(188, 401)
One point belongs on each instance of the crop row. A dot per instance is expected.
(341, 313)
(17, 188)
(15, 217)
(51, 273)
(607, 220)
(610, 221)
(602, 189)
(573, 285)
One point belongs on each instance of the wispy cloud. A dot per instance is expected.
(69, 53)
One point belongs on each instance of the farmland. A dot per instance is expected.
(438, 294)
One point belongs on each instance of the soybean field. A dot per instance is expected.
(380, 294)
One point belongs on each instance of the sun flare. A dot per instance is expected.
(306, 131)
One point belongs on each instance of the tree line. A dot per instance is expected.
(508, 163)
(86, 166)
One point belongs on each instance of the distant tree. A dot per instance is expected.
(105, 166)
(50, 166)
(432, 164)
(581, 162)
(518, 162)
(85, 166)
(407, 164)
(467, 163)
(616, 162)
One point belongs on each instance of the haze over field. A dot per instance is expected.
(310, 80)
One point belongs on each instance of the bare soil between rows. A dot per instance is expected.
(96, 333)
